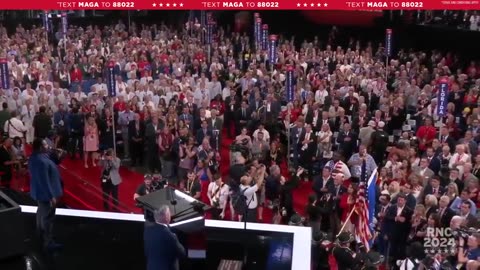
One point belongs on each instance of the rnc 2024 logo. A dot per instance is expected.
(440, 241)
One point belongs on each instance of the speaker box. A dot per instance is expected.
(12, 230)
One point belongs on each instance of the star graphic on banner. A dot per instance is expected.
(160, 5)
(181, 4)
(298, 5)
(326, 5)
(174, 4)
(305, 4)
(154, 5)
(168, 5)
(319, 5)
(312, 4)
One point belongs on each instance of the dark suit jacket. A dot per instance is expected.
(239, 116)
(162, 248)
(348, 147)
(446, 217)
(435, 165)
(319, 183)
(42, 123)
(201, 135)
(395, 229)
(429, 190)
(133, 132)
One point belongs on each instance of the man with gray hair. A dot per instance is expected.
(162, 248)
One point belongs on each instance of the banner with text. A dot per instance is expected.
(265, 37)
(388, 42)
(111, 82)
(4, 76)
(289, 83)
(239, 5)
(64, 24)
(272, 49)
(442, 97)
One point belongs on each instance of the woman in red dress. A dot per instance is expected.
(451, 124)
(347, 204)
(426, 134)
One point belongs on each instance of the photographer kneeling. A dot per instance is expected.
(110, 178)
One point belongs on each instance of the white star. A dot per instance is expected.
(319, 5)
(154, 5)
(181, 4)
(160, 5)
(305, 4)
(298, 5)
(168, 4)
(325, 4)
(312, 4)
(174, 4)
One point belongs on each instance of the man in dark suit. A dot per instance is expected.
(136, 132)
(187, 118)
(232, 103)
(471, 221)
(42, 123)
(434, 188)
(242, 115)
(152, 130)
(296, 135)
(203, 132)
(446, 214)
(446, 139)
(162, 248)
(347, 140)
(307, 145)
(323, 183)
(398, 218)
(215, 124)
(434, 162)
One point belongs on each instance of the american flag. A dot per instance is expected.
(365, 205)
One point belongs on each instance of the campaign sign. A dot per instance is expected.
(111, 82)
(4, 76)
(265, 37)
(258, 37)
(46, 25)
(289, 83)
(272, 49)
(388, 42)
(442, 97)
(64, 24)
(209, 32)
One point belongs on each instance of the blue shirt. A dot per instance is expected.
(473, 254)
(45, 178)
(458, 201)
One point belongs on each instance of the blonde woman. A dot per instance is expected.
(452, 191)
(325, 139)
(90, 141)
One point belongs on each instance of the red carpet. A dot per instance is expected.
(83, 191)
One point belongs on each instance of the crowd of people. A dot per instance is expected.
(179, 100)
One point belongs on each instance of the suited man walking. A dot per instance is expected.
(162, 248)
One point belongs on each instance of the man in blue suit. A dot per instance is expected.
(162, 248)
(46, 188)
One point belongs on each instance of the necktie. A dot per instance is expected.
(243, 113)
(434, 191)
(442, 211)
(338, 191)
(363, 177)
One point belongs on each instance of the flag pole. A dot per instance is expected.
(348, 219)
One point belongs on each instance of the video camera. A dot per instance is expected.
(463, 232)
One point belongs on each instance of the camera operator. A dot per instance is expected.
(110, 178)
(346, 258)
(192, 186)
(468, 249)
(148, 186)
(246, 201)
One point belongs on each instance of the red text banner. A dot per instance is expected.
(240, 5)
